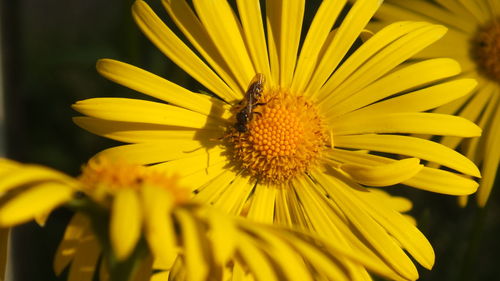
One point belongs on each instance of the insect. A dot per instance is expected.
(250, 101)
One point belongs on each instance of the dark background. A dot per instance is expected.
(49, 50)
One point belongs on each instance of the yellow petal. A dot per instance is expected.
(263, 204)
(188, 22)
(224, 29)
(142, 111)
(85, 261)
(430, 179)
(410, 146)
(75, 232)
(379, 41)
(39, 199)
(257, 261)
(173, 47)
(160, 232)
(383, 175)
(317, 35)
(193, 245)
(413, 123)
(29, 174)
(253, 28)
(126, 223)
(150, 84)
(131, 132)
(408, 77)
(223, 235)
(350, 28)
(421, 100)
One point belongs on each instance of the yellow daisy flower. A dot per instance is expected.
(473, 40)
(130, 208)
(284, 136)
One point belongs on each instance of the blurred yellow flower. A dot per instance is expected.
(284, 138)
(473, 40)
(122, 205)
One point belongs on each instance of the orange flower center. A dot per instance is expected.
(487, 49)
(102, 177)
(282, 138)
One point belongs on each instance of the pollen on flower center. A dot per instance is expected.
(283, 137)
(487, 49)
(102, 177)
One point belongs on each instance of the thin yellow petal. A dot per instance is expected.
(387, 59)
(412, 123)
(224, 28)
(385, 37)
(253, 28)
(29, 174)
(373, 232)
(142, 111)
(224, 236)
(235, 196)
(263, 204)
(75, 232)
(84, 264)
(430, 179)
(38, 199)
(351, 27)
(126, 223)
(257, 261)
(292, 14)
(187, 21)
(316, 36)
(159, 227)
(154, 152)
(383, 175)
(155, 86)
(421, 100)
(177, 51)
(131, 132)
(410, 146)
(194, 253)
(408, 77)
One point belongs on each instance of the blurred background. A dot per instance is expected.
(48, 54)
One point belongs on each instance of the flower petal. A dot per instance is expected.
(75, 232)
(350, 28)
(253, 29)
(38, 199)
(413, 123)
(194, 253)
(383, 175)
(430, 179)
(408, 77)
(421, 100)
(263, 204)
(317, 34)
(388, 58)
(126, 223)
(187, 21)
(177, 51)
(142, 111)
(410, 146)
(160, 230)
(133, 132)
(155, 86)
(224, 29)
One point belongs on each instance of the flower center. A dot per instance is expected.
(283, 136)
(487, 49)
(102, 177)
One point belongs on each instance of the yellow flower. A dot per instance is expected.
(473, 40)
(191, 240)
(293, 137)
